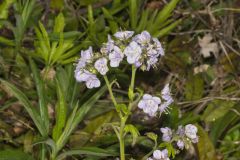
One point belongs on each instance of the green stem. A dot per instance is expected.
(110, 91)
(131, 87)
(121, 138)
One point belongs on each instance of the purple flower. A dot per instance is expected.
(151, 61)
(143, 38)
(158, 46)
(167, 134)
(180, 144)
(87, 55)
(180, 131)
(133, 52)
(166, 95)
(149, 104)
(191, 131)
(123, 35)
(92, 82)
(101, 66)
(161, 155)
(116, 56)
(108, 47)
(82, 75)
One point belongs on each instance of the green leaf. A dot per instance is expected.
(216, 109)
(133, 13)
(77, 116)
(27, 105)
(14, 155)
(41, 94)
(205, 147)
(59, 23)
(88, 151)
(167, 29)
(164, 14)
(152, 136)
(194, 87)
(61, 112)
(129, 128)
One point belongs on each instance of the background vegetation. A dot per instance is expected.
(39, 97)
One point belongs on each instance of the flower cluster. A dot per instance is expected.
(140, 50)
(151, 105)
(159, 155)
(182, 136)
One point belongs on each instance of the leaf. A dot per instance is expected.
(76, 117)
(152, 136)
(88, 151)
(129, 128)
(27, 105)
(167, 29)
(205, 147)
(164, 14)
(220, 125)
(216, 109)
(14, 155)
(194, 87)
(133, 13)
(61, 112)
(59, 23)
(41, 94)
(208, 47)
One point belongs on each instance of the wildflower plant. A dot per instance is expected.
(142, 52)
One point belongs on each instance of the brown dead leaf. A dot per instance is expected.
(207, 46)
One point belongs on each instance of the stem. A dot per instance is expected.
(110, 90)
(131, 87)
(121, 138)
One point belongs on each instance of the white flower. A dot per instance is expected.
(87, 54)
(116, 56)
(93, 82)
(158, 46)
(133, 52)
(108, 47)
(167, 134)
(143, 38)
(180, 144)
(161, 155)
(123, 35)
(191, 131)
(166, 95)
(82, 75)
(101, 66)
(149, 104)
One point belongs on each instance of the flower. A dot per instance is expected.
(143, 38)
(161, 155)
(82, 75)
(123, 35)
(167, 134)
(93, 82)
(108, 47)
(133, 52)
(149, 104)
(101, 66)
(180, 144)
(180, 131)
(158, 46)
(191, 131)
(87, 55)
(116, 56)
(166, 95)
